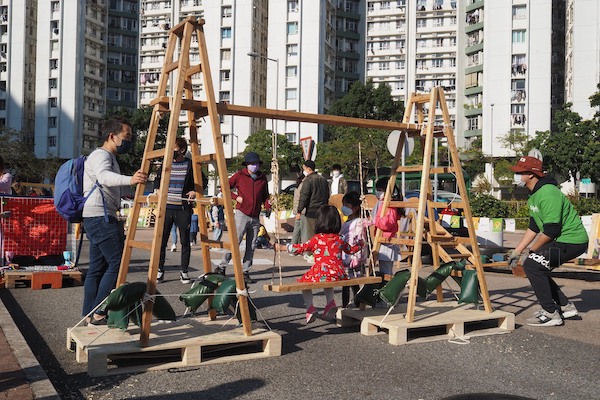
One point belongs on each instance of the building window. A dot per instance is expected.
(51, 141)
(437, 63)
(472, 123)
(518, 84)
(291, 72)
(53, 102)
(291, 94)
(226, 12)
(224, 96)
(438, 22)
(53, 83)
(518, 36)
(226, 54)
(53, 64)
(2, 104)
(292, 28)
(292, 5)
(51, 122)
(400, 64)
(471, 80)
(225, 75)
(225, 33)
(55, 6)
(519, 12)
(421, 23)
(384, 66)
(292, 50)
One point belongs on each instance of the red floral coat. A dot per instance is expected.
(327, 249)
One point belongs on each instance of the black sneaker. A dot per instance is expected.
(184, 277)
(220, 270)
(247, 279)
(160, 277)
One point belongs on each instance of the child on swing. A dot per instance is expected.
(388, 224)
(353, 232)
(327, 247)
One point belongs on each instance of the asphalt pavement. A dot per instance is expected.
(321, 360)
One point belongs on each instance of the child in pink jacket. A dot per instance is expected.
(388, 223)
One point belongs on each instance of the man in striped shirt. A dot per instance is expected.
(179, 208)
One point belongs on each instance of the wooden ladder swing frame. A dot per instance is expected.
(436, 236)
(182, 99)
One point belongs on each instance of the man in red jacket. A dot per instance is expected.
(252, 193)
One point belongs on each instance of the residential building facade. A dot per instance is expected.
(18, 19)
(70, 77)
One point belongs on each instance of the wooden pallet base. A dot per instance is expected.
(433, 321)
(349, 317)
(12, 277)
(184, 343)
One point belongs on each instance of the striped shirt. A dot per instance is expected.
(175, 192)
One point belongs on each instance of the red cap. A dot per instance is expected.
(529, 164)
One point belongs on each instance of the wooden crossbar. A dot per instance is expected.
(299, 286)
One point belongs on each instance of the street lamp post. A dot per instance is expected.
(492, 145)
(274, 162)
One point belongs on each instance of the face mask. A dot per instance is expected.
(347, 211)
(517, 180)
(124, 147)
(253, 168)
(304, 173)
(380, 194)
(336, 174)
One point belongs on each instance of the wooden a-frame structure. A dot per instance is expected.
(181, 99)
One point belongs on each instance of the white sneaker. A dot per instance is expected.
(184, 277)
(160, 277)
(173, 247)
(544, 318)
(569, 311)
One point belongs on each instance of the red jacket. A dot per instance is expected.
(254, 192)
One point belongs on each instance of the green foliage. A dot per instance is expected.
(573, 147)
(484, 205)
(341, 144)
(20, 160)
(503, 172)
(289, 155)
(585, 205)
(517, 141)
(473, 161)
(286, 201)
(520, 212)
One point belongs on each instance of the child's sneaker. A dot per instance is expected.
(173, 247)
(311, 313)
(160, 277)
(569, 311)
(184, 277)
(329, 308)
(544, 318)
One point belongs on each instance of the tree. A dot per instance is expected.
(341, 144)
(569, 151)
(289, 155)
(21, 161)
(516, 140)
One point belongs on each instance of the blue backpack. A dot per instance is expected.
(68, 190)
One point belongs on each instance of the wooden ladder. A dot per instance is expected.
(428, 229)
(182, 99)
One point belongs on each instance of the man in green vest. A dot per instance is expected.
(560, 237)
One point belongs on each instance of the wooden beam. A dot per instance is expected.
(299, 286)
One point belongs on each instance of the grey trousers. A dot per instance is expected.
(244, 225)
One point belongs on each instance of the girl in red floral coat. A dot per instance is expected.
(327, 247)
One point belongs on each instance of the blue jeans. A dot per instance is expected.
(174, 234)
(106, 248)
(245, 225)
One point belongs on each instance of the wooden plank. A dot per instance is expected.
(191, 341)
(201, 106)
(12, 277)
(299, 286)
(438, 321)
(136, 244)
